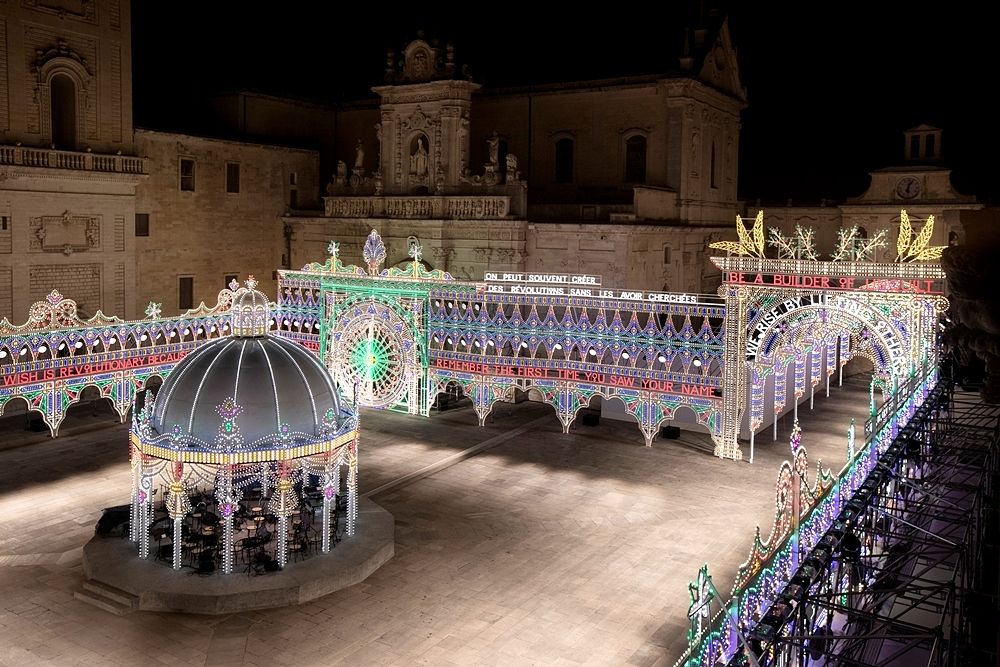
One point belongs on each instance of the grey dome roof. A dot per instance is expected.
(274, 380)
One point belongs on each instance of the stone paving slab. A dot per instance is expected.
(547, 549)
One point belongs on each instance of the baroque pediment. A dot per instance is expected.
(720, 66)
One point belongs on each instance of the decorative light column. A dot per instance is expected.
(178, 505)
(331, 484)
(780, 393)
(850, 441)
(800, 382)
(135, 460)
(227, 501)
(145, 508)
(815, 370)
(229, 439)
(283, 504)
(845, 350)
(831, 361)
(352, 487)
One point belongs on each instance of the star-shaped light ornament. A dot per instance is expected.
(251, 282)
(416, 252)
(333, 248)
(153, 310)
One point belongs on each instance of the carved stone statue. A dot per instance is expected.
(512, 174)
(359, 156)
(341, 172)
(493, 143)
(418, 161)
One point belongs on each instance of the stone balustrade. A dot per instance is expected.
(76, 160)
(440, 207)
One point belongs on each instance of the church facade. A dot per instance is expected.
(628, 178)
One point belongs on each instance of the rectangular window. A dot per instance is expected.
(929, 144)
(666, 254)
(914, 147)
(635, 159)
(564, 161)
(142, 224)
(293, 198)
(187, 174)
(4, 222)
(233, 178)
(293, 179)
(229, 279)
(185, 292)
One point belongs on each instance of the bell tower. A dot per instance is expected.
(423, 131)
(922, 144)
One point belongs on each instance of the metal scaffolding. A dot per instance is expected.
(898, 577)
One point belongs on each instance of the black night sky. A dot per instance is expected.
(830, 88)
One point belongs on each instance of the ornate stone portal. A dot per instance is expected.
(422, 172)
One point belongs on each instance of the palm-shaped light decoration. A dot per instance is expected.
(750, 244)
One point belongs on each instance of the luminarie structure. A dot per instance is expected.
(254, 429)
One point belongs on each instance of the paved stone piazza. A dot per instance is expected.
(540, 549)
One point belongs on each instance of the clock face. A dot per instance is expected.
(907, 187)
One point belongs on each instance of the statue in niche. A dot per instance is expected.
(341, 172)
(418, 161)
(420, 64)
(512, 174)
(359, 156)
(493, 143)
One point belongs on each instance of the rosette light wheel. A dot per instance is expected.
(372, 348)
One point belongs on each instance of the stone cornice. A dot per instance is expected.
(20, 171)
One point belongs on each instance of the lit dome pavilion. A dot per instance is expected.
(248, 431)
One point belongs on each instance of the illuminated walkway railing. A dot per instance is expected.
(55, 355)
(901, 577)
(799, 544)
(656, 353)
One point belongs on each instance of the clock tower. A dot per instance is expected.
(921, 185)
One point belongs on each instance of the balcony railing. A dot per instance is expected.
(76, 160)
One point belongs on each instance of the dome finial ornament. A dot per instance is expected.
(251, 313)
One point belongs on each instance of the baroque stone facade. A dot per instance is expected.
(73, 170)
(629, 178)
(68, 171)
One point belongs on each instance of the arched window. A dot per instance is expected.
(635, 159)
(62, 92)
(712, 175)
(564, 161)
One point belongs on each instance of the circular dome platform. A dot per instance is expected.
(238, 457)
(146, 585)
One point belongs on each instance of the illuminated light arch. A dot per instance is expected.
(779, 334)
(5, 400)
(379, 343)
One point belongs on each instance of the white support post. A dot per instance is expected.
(828, 386)
(812, 396)
(774, 426)
(326, 521)
(178, 522)
(282, 540)
(751, 445)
